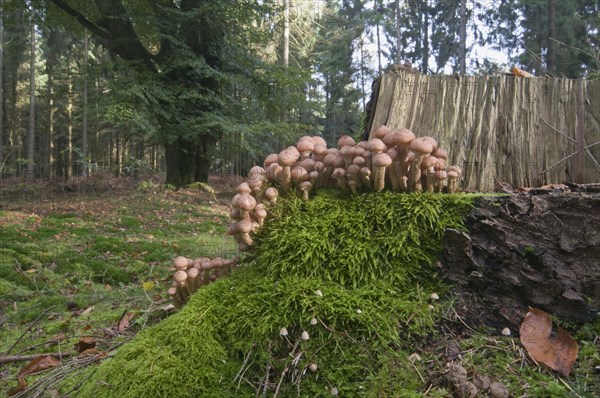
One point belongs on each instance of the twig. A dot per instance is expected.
(28, 329)
(20, 358)
(243, 369)
(557, 131)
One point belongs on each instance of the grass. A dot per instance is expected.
(75, 265)
(72, 264)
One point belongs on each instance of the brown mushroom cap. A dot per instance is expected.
(244, 226)
(299, 174)
(382, 160)
(339, 173)
(353, 169)
(288, 156)
(304, 185)
(245, 202)
(432, 141)
(347, 150)
(454, 168)
(244, 188)
(193, 273)
(254, 170)
(320, 150)
(380, 131)
(308, 164)
(375, 145)
(440, 153)
(359, 161)
(270, 159)
(274, 171)
(181, 262)
(428, 161)
(271, 193)
(180, 276)
(421, 146)
(319, 140)
(330, 158)
(305, 144)
(346, 140)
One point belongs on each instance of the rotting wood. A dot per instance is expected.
(498, 127)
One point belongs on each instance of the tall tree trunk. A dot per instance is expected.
(425, 36)
(378, 28)
(84, 117)
(31, 131)
(70, 131)
(551, 43)
(1, 92)
(286, 32)
(51, 110)
(181, 162)
(462, 55)
(398, 33)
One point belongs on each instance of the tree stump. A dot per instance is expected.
(538, 249)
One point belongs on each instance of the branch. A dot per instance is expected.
(92, 27)
(20, 358)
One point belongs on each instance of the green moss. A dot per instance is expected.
(361, 266)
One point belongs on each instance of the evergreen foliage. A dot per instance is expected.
(361, 266)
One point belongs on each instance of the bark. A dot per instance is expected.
(538, 250)
(31, 131)
(398, 34)
(84, 103)
(286, 32)
(180, 157)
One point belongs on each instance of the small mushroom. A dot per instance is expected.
(313, 367)
(305, 335)
(180, 278)
(380, 131)
(421, 148)
(380, 162)
(347, 153)
(345, 140)
(172, 292)
(304, 187)
(270, 159)
(245, 203)
(260, 213)
(340, 175)
(192, 279)
(305, 147)
(271, 195)
(454, 173)
(506, 332)
(286, 159)
(181, 263)
(245, 227)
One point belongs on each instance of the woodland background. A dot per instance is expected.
(196, 87)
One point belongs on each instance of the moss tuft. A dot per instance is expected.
(362, 267)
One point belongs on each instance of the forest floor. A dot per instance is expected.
(85, 266)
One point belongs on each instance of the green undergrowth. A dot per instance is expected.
(354, 273)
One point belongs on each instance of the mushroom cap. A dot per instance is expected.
(428, 161)
(304, 185)
(273, 171)
(382, 160)
(347, 150)
(260, 212)
(318, 140)
(181, 262)
(244, 226)
(232, 230)
(440, 153)
(313, 175)
(432, 141)
(305, 144)
(359, 161)
(455, 169)
(180, 276)
(380, 131)
(346, 140)
(393, 153)
(271, 193)
(339, 173)
(440, 175)
(407, 136)
(255, 181)
(288, 156)
(375, 145)
(256, 170)
(421, 146)
(207, 265)
(245, 202)
(359, 150)
(272, 158)
(308, 164)
(244, 188)
(299, 174)
(365, 171)
(397, 137)
(452, 174)
(320, 150)
(319, 166)
(330, 158)
(353, 169)
(193, 273)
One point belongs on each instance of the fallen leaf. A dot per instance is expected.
(92, 352)
(85, 343)
(124, 321)
(39, 364)
(551, 346)
(15, 390)
(87, 310)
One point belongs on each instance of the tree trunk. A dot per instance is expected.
(31, 131)
(462, 45)
(180, 156)
(398, 34)
(51, 144)
(69, 171)
(286, 32)
(425, 37)
(551, 43)
(1, 92)
(84, 116)
(378, 28)
(538, 250)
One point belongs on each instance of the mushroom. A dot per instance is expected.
(340, 175)
(401, 140)
(365, 176)
(181, 263)
(440, 177)
(245, 203)
(305, 147)
(427, 168)
(298, 174)
(254, 170)
(393, 170)
(193, 275)
(244, 227)
(180, 278)
(380, 131)
(345, 140)
(304, 187)
(271, 195)
(319, 140)
(375, 146)
(380, 162)
(274, 172)
(172, 292)
(260, 213)
(255, 182)
(270, 159)
(347, 153)
(421, 148)
(286, 159)
(453, 173)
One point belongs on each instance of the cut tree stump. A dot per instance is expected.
(534, 249)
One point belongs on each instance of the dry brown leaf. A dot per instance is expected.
(39, 364)
(85, 343)
(87, 310)
(553, 347)
(123, 324)
(92, 352)
(20, 387)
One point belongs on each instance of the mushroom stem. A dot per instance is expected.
(365, 177)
